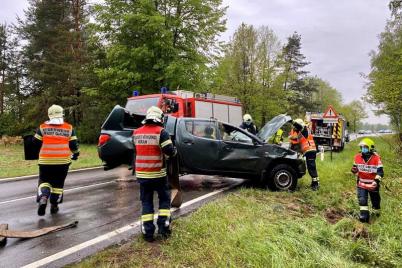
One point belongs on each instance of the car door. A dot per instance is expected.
(238, 151)
(198, 145)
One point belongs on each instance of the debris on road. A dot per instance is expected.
(5, 233)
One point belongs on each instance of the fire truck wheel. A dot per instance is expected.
(282, 178)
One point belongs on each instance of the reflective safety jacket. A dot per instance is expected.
(293, 137)
(307, 144)
(55, 149)
(149, 161)
(367, 171)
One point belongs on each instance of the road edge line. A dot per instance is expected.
(86, 244)
(28, 177)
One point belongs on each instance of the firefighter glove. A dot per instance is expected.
(354, 170)
(75, 156)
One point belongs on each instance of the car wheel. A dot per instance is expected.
(282, 178)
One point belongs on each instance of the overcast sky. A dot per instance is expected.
(337, 35)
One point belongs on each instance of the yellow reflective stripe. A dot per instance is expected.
(148, 165)
(45, 184)
(147, 217)
(39, 137)
(57, 190)
(164, 212)
(364, 208)
(52, 161)
(163, 144)
(150, 175)
(72, 138)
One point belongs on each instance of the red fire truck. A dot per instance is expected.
(328, 128)
(182, 103)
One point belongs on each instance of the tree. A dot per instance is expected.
(54, 56)
(150, 44)
(354, 113)
(250, 70)
(385, 80)
(300, 88)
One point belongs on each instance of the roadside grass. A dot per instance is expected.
(12, 161)
(257, 228)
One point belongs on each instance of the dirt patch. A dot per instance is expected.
(360, 231)
(333, 215)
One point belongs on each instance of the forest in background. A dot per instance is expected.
(88, 58)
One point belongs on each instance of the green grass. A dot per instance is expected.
(257, 228)
(12, 161)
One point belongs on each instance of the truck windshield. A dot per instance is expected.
(140, 106)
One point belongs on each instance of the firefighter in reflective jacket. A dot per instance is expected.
(57, 140)
(368, 167)
(304, 139)
(152, 142)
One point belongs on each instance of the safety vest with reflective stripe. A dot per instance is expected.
(308, 144)
(367, 171)
(55, 144)
(149, 160)
(293, 137)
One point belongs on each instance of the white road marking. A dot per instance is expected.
(109, 235)
(37, 175)
(68, 190)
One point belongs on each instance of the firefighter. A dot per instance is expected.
(152, 143)
(248, 124)
(277, 138)
(57, 140)
(368, 167)
(302, 137)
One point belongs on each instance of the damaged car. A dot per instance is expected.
(211, 147)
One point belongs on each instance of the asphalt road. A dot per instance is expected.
(94, 198)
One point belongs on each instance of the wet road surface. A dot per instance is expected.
(94, 198)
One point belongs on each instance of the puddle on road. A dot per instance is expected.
(187, 182)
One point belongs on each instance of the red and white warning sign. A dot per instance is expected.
(330, 113)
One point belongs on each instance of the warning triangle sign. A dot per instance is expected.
(330, 113)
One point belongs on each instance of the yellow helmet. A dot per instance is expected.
(247, 117)
(299, 122)
(55, 111)
(367, 142)
(154, 113)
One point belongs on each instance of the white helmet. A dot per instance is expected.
(299, 122)
(247, 118)
(55, 113)
(155, 114)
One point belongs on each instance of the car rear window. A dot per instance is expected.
(202, 129)
(140, 106)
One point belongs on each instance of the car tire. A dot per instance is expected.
(282, 178)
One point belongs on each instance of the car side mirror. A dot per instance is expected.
(347, 124)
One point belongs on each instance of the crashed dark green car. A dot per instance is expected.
(211, 147)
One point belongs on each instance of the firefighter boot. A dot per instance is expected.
(148, 237)
(54, 208)
(42, 206)
(315, 184)
(364, 216)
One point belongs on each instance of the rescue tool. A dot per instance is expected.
(5, 233)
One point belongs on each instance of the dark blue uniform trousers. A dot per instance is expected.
(147, 189)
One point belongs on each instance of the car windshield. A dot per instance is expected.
(140, 106)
